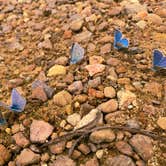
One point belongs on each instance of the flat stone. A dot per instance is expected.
(73, 119)
(40, 131)
(61, 61)
(94, 83)
(76, 25)
(161, 122)
(96, 60)
(75, 87)
(154, 19)
(142, 145)
(83, 37)
(153, 88)
(39, 93)
(109, 92)
(124, 148)
(105, 135)
(4, 155)
(105, 49)
(109, 106)
(84, 149)
(92, 162)
(56, 70)
(27, 157)
(45, 44)
(120, 160)
(57, 148)
(21, 140)
(119, 117)
(95, 69)
(63, 161)
(62, 98)
(126, 98)
(87, 119)
(95, 93)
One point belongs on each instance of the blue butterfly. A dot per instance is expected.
(2, 120)
(18, 102)
(77, 53)
(159, 60)
(120, 42)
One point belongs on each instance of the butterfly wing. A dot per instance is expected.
(162, 63)
(120, 42)
(157, 56)
(18, 102)
(77, 53)
(2, 120)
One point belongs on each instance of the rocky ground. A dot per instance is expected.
(35, 41)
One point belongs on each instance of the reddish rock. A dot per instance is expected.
(75, 87)
(61, 61)
(142, 145)
(124, 148)
(96, 60)
(95, 93)
(40, 131)
(154, 88)
(120, 160)
(113, 61)
(62, 98)
(95, 69)
(109, 92)
(21, 140)
(126, 98)
(67, 34)
(63, 161)
(94, 83)
(114, 11)
(119, 117)
(4, 154)
(76, 25)
(84, 149)
(57, 148)
(103, 26)
(124, 81)
(27, 157)
(106, 39)
(105, 49)
(39, 93)
(161, 12)
(15, 82)
(154, 19)
(109, 106)
(105, 135)
(92, 162)
(121, 69)
(83, 37)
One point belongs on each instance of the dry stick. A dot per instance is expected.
(132, 130)
(75, 144)
(76, 132)
(65, 137)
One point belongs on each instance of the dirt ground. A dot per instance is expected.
(36, 35)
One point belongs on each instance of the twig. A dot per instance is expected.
(75, 144)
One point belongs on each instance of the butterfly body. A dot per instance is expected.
(159, 60)
(77, 53)
(119, 42)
